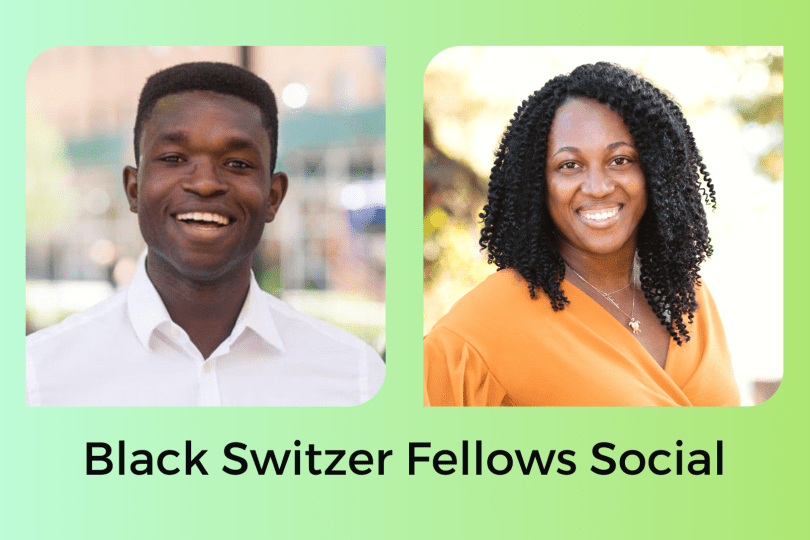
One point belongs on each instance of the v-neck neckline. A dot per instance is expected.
(627, 331)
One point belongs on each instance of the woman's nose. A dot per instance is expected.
(597, 183)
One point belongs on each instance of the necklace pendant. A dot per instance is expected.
(635, 326)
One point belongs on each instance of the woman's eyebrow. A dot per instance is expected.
(572, 149)
(611, 146)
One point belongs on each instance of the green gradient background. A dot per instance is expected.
(763, 493)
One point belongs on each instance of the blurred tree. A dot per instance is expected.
(453, 197)
(758, 101)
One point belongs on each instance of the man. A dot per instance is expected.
(194, 328)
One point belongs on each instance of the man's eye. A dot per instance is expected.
(238, 164)
(170, 159)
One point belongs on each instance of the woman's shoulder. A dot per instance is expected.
(707, 312)
(507, 281)
(704, 298)
(493, 291)
(500, 299)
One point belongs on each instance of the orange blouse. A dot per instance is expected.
(497, 346)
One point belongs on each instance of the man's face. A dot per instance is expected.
(203, 189)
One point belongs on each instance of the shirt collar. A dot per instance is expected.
(258, 316)
(147, 311)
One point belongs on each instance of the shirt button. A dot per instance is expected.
(207, 368)
(174, 331)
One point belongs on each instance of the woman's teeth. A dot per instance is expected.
(600, 215)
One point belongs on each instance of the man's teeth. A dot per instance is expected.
(600, 216)
(203, 216)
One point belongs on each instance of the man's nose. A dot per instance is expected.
(204, 179)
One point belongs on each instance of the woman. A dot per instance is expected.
(596, 223)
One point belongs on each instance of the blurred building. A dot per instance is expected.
(329, 235)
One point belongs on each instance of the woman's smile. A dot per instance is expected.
(600, 217)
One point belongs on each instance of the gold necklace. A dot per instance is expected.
(634, 325)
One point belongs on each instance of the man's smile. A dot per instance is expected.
(207, 219)
(204, 227)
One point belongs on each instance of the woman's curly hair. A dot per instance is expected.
(673, 238)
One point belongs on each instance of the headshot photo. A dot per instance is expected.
(205, 226)
(591, 223)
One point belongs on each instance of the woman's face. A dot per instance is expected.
(596, 190)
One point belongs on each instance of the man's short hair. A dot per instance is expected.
(213, 77)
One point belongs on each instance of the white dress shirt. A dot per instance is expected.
(126, 351)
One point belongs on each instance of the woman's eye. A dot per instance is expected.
(568, 165)
(621, 160)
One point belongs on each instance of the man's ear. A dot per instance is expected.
(278, 188)
(131, 187)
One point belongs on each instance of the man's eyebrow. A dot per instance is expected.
(231, 143)
(240, 143)
(172, 137)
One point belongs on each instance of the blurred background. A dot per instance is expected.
(325, 251)
(732, 98)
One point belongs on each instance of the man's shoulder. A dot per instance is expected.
(303, 325)
(91, 323)
(324, 348)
